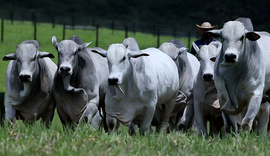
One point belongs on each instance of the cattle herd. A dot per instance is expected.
(167, 87)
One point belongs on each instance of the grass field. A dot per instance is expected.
(21, 139)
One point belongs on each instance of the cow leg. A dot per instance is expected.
(89, 112)
(166, 113)
(10, 113)
(132, 128)
(253, 109)
(112, 124)
(48, 115)
(230, 121)
(185, 121)
(199, 119)
(263, 117)
(147, 119)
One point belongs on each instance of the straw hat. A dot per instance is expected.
(205, 25)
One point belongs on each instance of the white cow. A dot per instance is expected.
(188, 67)
(206, 105)
(242, 74)
(29, 80)
(140, 81)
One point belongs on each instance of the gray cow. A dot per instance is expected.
(29, 80)
(242, 75)
(206, 104)
(80, 82)
(188, 67)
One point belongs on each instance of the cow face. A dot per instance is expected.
(234, 35)
(208, 54)
(118, 57)
(67, 55)
(26, 57)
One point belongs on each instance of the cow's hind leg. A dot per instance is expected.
(166, 113)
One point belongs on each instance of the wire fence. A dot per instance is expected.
(93, 23)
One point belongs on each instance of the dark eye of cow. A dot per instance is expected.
(213, 59)
(123, 59)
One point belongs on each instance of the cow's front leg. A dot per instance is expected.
(10, 113)
(252, 111)
(147, 119)
(199, 119)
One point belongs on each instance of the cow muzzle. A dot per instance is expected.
(208, 77)
(113, 81)
(230, 57)
(65, 71)
(25, 78)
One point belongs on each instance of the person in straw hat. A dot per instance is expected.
(206, 37)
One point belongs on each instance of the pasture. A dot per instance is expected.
(20, 139)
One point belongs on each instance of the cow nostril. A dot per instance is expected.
(230, 57)
(64, 69)
(207, 77)
(113, 81)
(24, 78)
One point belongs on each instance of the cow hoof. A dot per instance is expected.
(182, 127)
(245, 127)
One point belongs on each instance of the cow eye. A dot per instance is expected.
(123, 59)
(213, 59)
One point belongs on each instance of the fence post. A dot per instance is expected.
(2, 101)
(11, 17)
(126, 30)
(35, 30)
(158, 37)
(134, 27)
(2, 29)
(53, 23)
(97, 35)
(189, 41)
(64, 30)
(73, 22)
(112, 24)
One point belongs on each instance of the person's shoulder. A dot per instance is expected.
(198, 42)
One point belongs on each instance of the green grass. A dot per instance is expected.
(84, 140)
(21, 139)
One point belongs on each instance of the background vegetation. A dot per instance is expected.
(169, 13)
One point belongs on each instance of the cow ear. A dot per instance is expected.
(252, 36)
(54, 42)
(216, 44)
(135, 54)
(9, 57)
(45, 54)
(196, 48)
(83, 46)
(101, 53)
